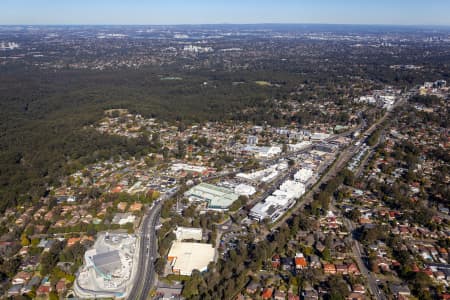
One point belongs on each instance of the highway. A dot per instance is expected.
(145, 276)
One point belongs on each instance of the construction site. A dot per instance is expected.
(109, 267)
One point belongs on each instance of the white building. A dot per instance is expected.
(262, 152)
(264, 175)
(303, 175)
(319, 136)
(197, 49)
(186, 257)
(244, 190)
(188, 168)
(299, 146)
(279, 202)
(188, 233)
(8, 46)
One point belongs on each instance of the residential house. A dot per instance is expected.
(252, 288)
(300, 261)
(356, 296)
(267, 293)
(341, 269)
(72, 241)
(122, 206)
(135, 207)
(353, 269)
(279, 295)
(291, 296)
(310, 294)
(329, 268)
(43, 290)
(400, 290)
(358, 288)
(14, 290)
(276, 261)
(21, 278)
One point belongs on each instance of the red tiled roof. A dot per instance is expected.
(267, 293)
(301, 261)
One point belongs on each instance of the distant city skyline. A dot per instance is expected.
(174, 12)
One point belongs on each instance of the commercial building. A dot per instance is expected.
(107, 263)
(186, 257)
(188, 233)
(188, 168)
(262, 152)
(303, 175)
(319, 136)
(264, 175)
(299, 146)
(327, 147)
(244, 190)
(219, 198)
(279, 202)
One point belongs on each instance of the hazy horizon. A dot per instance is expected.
(202, 12)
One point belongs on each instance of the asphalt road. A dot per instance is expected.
(357, 253)
(145, 276)
(147, 249)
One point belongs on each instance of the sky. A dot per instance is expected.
(155, 12)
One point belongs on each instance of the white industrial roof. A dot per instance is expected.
(188, 233)
(303, 175)
(187, 257)
(244, 189)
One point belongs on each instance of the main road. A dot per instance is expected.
(358, 255)
(145, 275)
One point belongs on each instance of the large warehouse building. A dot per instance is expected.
(219, 198)
(186, 257)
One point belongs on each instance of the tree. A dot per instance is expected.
(326, 254)
(338, 288)
(24, 240)
(191, 286)
(10, 266)
(165, 153)
(373, 138)
(354, 214)
(160, 264)
(240, 202)
(53, 296)
(181, 151)
(50, 258)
